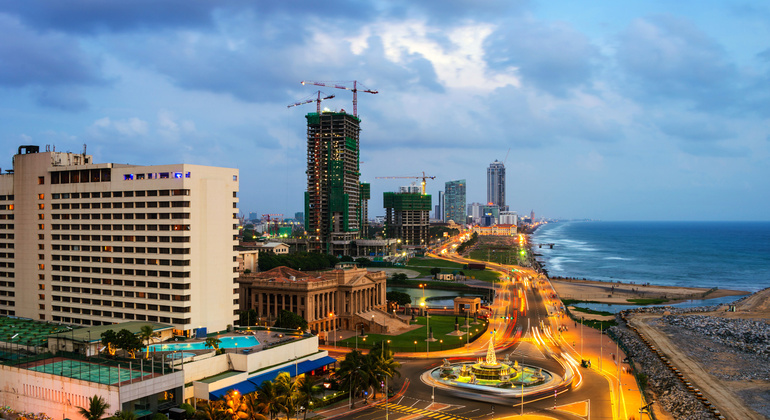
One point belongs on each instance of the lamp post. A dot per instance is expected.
(427, 328)
(334, 329)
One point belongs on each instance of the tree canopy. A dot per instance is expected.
(400, 298)
(290, 320)
(305, 261)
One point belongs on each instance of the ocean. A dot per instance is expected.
(727, 255)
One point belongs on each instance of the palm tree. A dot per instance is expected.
(213, 342)
(382, 364)
(305, 393)
(211, 411)
(269, 399)
(123, 415)
(287, 391)
(254, 409)
(352, 374)
(147, 333)
(97, 408)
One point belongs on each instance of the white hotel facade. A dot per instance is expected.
(100, 243)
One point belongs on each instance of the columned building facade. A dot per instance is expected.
(327, 300)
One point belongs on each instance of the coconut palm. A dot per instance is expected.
(269, 399)
(305, 393)
(287, 389)
(96, 410)
(352, 374)
(211, 411)
(123, 415)
(147, 333)
(381, 364)
(254, 409)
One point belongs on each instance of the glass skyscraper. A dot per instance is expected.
(454, 201)
(496, 185)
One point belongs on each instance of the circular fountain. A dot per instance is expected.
(489, 378)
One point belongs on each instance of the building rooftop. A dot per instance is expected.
(94, 334)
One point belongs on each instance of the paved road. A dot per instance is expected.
(525, 325)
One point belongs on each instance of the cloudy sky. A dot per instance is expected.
(633, 110)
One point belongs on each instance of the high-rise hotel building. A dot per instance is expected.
(101, 243)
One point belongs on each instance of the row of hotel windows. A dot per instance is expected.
(113, 227)
(117, 216)
(127, 271)
(119, 260)
(119, 194)
(119, 293)
(119, 282)
(115, 205)
(139, 261)
(57, 237)
(120, 238)
(6, 197)
(79, 176)
(119, 315)
(157, 175)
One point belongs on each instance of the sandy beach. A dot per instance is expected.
(619, 293)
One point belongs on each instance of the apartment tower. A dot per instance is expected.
(496, 185)
(100, 243)
(454, 201)
(333, 201)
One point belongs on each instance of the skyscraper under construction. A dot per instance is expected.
(334, 207)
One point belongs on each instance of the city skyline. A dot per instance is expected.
(633, 111)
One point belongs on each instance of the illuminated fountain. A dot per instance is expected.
(491, 380)
(489, 372)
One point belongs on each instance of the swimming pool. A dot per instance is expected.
(227, 343)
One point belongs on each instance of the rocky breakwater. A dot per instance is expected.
(743, 336)
(667, 388)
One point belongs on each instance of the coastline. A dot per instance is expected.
(618, 293)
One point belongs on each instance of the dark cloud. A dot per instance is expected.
(42, 59)
(668, 58)
(94, 16)
(454, 11)
(553, 57)
(63, 98)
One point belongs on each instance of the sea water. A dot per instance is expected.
(727, 255)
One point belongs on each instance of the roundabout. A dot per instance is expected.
(492, 380)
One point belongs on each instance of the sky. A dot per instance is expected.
(634, 110)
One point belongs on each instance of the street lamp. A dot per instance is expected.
(415, 346)
(334, 328)
(427, 328)
(441, 344)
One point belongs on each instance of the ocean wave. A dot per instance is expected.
(618, 258)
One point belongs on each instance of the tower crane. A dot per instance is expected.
(307, 101)
(273, 229)
(423, 177)
(353, 89)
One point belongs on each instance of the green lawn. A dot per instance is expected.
(441, 325)
(434, 262)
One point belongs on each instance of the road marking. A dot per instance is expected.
(438, 415)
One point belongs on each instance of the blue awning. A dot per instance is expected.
(251, 384)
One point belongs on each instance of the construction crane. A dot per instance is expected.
(423, 177)
(307, 101)
(272, 229)
(354, 89)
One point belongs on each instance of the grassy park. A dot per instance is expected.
(424, 265)
(414, 340)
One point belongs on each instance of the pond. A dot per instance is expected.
(439, 298)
